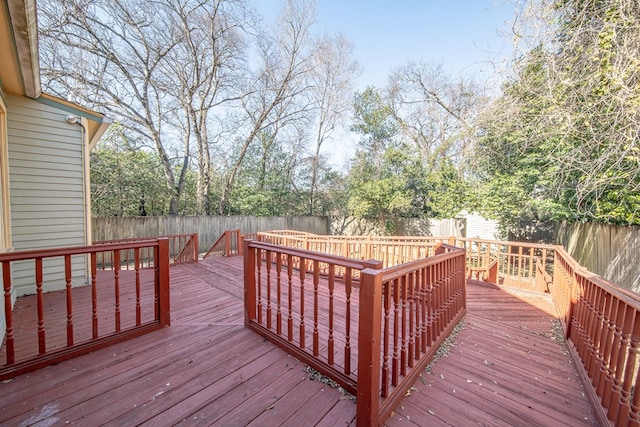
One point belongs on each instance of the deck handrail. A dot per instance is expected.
(228, 244)
(275, 276)
(423, 300)
(183, 248)
(426, 297)
(512, 264)
(76, 271)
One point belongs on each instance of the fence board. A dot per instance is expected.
(611, 251)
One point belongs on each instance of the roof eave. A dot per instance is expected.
(25, 31)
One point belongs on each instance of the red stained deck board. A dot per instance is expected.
(188, 392)
(221, 373)
(442, 408)
(145, 386)
(259, 393)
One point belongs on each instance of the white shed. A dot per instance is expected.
(479, 227)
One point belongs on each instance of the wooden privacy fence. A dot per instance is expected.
(371, 330)
(102, 306)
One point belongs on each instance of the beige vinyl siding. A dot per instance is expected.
(46, 188)
(4, 202)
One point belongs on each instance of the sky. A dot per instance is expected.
(465, 36)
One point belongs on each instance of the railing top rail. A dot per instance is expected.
(451, 247)
(628, 297)
(298, 237)
(509, 243)
(355, 239)
(137, 239)
(288, 233)
(391, 273)
(77, 250)
(220, 240)
(393, 239)
(312, 255)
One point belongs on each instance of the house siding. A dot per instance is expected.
(46, 189)
(481, 228)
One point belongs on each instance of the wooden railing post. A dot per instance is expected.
(194, 243)
(369, 341)
(164, 307)
(493, 272)
(227, 243)
(8, 312)
(374, 264)
(249, 283)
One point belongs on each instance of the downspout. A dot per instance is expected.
(86, 206)
(87, 146)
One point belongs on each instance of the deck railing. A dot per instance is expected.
(509, 263)
(601, 320)
(602, 327)
(406, 312)
(183, 249)
(515, 262)
(228, 244)
(283, 286)
(387, 323)
(102, 306)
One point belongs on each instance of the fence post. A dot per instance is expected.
(369, 341)
(249, 282)
(164, 295)
(439, 249)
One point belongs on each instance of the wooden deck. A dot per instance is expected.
(505, 367)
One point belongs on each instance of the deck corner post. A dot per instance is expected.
(164, 307)
(249, 282)
(369, 344)
(374, 264)
(194, 240)
(439, 249)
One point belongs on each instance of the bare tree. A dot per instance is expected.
(107, 54)
(160, 70)
(204, 72)
(277, 94)
(331, 97)
(433, 110)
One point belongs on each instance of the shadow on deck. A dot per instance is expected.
(507, 366)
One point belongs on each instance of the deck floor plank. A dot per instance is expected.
(206, 368)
